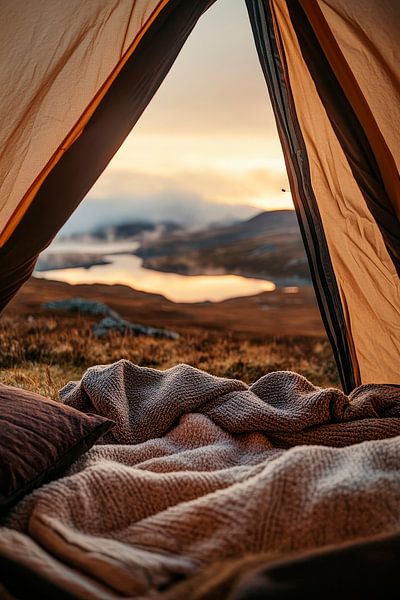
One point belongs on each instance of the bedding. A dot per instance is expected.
(364, 571)
(200, 469)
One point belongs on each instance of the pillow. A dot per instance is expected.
(39, 439)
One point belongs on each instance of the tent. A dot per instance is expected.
(76, 76)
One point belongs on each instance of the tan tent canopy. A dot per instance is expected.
(76, 76)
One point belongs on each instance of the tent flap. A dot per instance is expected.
(344, 190)
(262, 21)
(111, 117)
(347, 125)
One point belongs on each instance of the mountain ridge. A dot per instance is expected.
(268, 246)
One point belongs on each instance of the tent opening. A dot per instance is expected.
(74, 102)
(194, 217)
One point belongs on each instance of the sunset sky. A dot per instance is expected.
(207, 138)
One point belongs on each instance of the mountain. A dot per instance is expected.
(268, 246)
(278, 220)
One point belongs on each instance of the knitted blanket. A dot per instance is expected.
(199, 469)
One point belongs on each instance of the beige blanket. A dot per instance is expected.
(200, 469)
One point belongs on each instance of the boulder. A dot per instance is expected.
(111, 321)
(80, 305)
(122, 326)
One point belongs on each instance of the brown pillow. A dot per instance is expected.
(39, 439)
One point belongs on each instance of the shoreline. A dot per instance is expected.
(63, 261)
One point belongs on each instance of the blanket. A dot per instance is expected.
(200, 469)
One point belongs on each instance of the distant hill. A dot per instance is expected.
(130, 230)
(268, 245)
(273, 220)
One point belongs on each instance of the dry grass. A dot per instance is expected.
(44, 353)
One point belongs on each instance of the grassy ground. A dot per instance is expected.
(44, 353)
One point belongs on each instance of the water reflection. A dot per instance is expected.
(127, 269)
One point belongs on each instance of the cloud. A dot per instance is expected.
(228, 187)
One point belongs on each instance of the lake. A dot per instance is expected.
(127, 269)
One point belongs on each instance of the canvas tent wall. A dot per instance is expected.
(75, 77)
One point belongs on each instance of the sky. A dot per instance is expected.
(206, 148)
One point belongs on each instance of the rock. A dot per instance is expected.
(85, 307)
(117, 324)
(111, 320)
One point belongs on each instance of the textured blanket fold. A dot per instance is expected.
(199, 469)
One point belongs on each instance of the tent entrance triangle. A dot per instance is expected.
(68, 107)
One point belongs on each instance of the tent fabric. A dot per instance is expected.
(79, 165)
(367, 33)
(354, 125)
(327, 292)
(78, 76)
(53, 79)
(364, 271)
